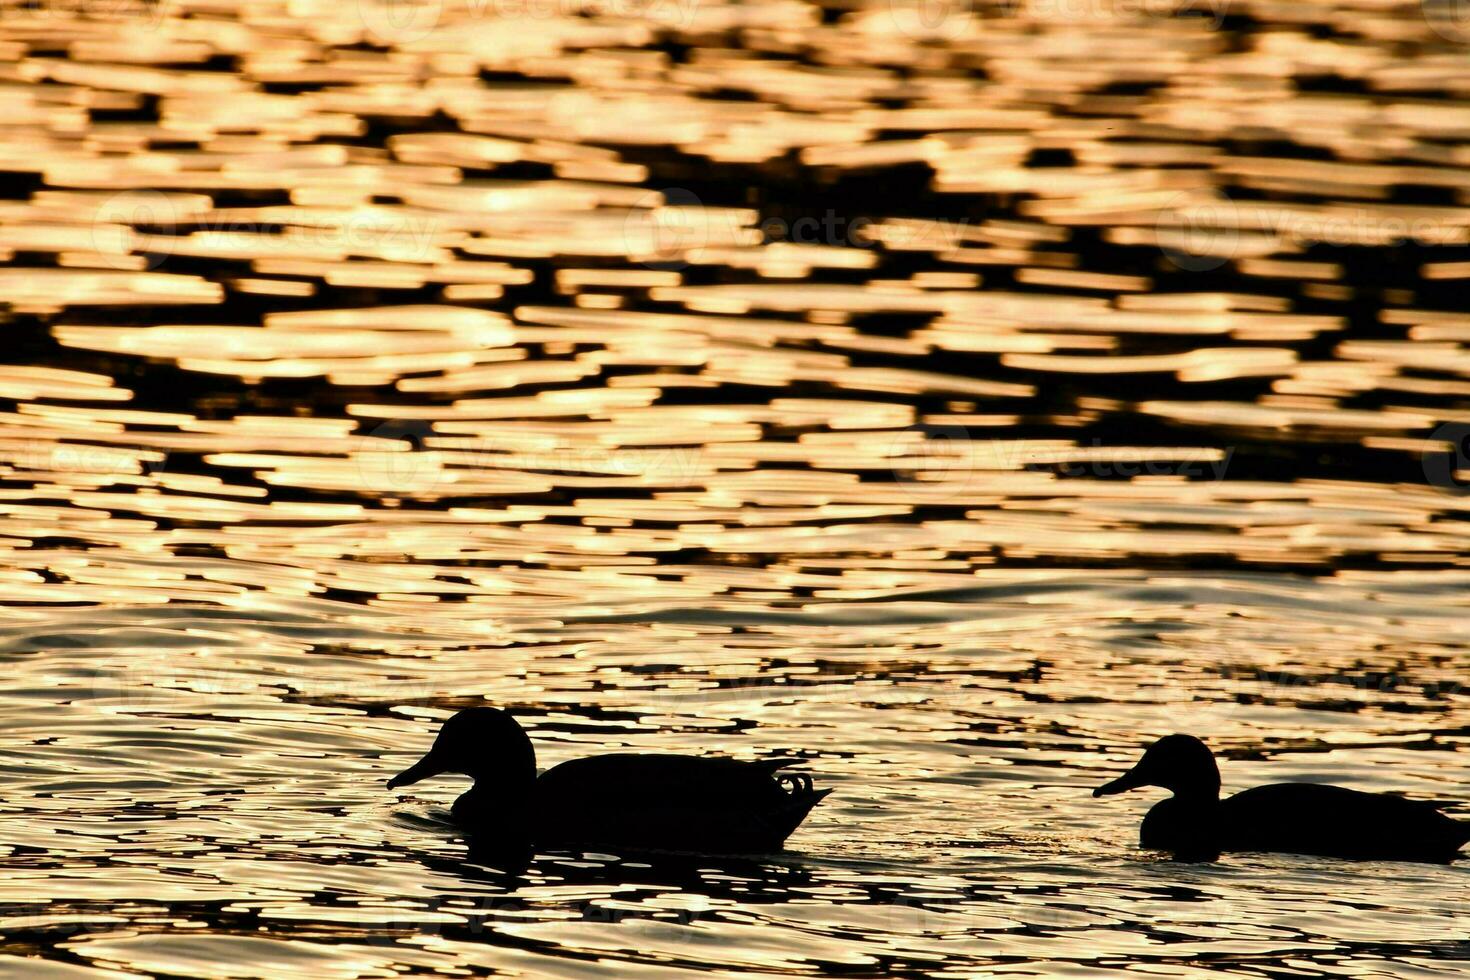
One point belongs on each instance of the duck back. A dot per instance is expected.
(1333, 821)
(670, 802)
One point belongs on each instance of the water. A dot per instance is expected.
(954, 399)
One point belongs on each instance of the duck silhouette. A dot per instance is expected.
(1294, 818)
(619, 801)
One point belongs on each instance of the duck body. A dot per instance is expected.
(621, 801)
(684, 803)
(1295, 818)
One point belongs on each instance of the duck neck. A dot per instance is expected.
(1203, 790)
(510, 772)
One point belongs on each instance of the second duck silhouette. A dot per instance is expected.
(1295, 818)
(631, 801)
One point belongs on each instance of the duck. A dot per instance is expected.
(619, 801)
(1292, 818)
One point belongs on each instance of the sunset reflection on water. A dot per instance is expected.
(953, 396)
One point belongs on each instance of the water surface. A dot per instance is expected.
(954, 399)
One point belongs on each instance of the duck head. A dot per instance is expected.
(485, 744)
(1181, 764)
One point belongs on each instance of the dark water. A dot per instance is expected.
(954, 396)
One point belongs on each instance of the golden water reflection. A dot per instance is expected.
(952, 398)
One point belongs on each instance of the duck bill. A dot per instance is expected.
(421, 770)
(1129, 780)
